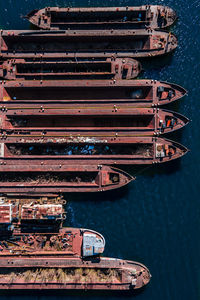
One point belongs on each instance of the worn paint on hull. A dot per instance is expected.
(140, 93)
(55, 178)
(154, 16)
(92, 274)
(84, 44)
(87, 121)
(66, 242)
(45, 69)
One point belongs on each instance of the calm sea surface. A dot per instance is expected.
(155, 220)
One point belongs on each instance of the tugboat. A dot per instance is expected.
(86, 44)
(141, 93)
(154, 16)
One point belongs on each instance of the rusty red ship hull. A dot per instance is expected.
(56, 69)
(66, 242)
(141, 93)
(154, 16)
(94, 120)
(85, 151)
(42, 273)
(84, 44)
(55, 178)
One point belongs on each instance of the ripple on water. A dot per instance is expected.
(155, 219)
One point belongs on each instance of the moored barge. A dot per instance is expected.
(67, 242)
(56, 69)
(42, 273)
(83, 43)
(141, 93)
(87, 151)
(154, 16)
(37, 177)
(68, 120)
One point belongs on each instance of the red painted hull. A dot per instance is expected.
(153, 16)
(85, 120)
(86, 44)
(126, 275)
(140, 93)
(54, 178)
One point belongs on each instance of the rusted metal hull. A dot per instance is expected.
(66, 242)
(94, 120)
(84, 44)
(38, 211)
(27, 213)
(42, 69)
(92, 274)
(102, 150)
(141, 93)
(55, 178)
(154, 16)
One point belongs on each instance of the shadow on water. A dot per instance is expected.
(152, 170)
(168, 168)
(174, 106)
(33, 27)
(156, 63)
(65, 294)
(113, 195)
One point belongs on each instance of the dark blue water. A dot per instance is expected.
(155, 220)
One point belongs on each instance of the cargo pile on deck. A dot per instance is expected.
(72, 108)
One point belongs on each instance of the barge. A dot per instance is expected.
(141, 93)
(39, 177)
(135, 17)
(86, 44)
(87, 151)
(67, 242)
(55, 69)
(57, 272)
(93, 120)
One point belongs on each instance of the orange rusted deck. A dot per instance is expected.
(67, 242)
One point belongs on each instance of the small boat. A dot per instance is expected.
(141, 93)
(87, 151)
(88, 120)
(68, 242)
(86, 43)
(37, 177)
(65, 273)
(45, 69)
(154, 16)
